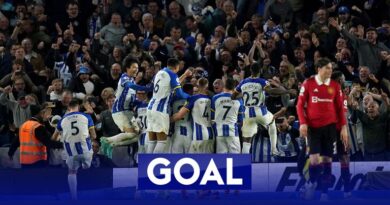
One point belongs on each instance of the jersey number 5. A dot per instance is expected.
(75, 129)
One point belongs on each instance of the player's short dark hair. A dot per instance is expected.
(73, 103)
(230, 84)
(322, 62)
(203, 82)
(173, 62)
(128, 61)
(255, 68)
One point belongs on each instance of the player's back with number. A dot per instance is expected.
(200, 106)
(165, 82)
(140, 111)
(253, 95)
(74, 128)
(252, 90)
(226, 113)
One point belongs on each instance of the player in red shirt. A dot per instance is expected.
(320, 107)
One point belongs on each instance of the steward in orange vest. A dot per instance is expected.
(34, 138)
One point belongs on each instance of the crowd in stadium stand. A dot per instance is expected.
(59, 50)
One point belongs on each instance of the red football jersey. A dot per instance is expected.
(320, 103)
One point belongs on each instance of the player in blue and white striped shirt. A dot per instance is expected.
(227, 116)
(182, 136)
(253, 91)
(200, 106)
(165, 83)
(141, 107)
(125, 96)
(76, 129)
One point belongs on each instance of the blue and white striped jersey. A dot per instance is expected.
(253, 94)
(140, 112)
(74, 128)
(199, 105)
(182, 126)
(226, 113)
(287, 143)
(164, 83)
(261, 148)
(124, 96)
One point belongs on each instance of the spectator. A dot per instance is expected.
(82, 84)
(374, 142)
(19, 107)
(108, 126)
(175, 19)
(287, 141)
(133, 23)
(123, 7)
(55, 90)
(32, 57)
(112, 33)
(34, 140)
(281, 9)
(158, 20)
(61, 106)
(75, 21)
(148, 29)
(368, 50)
(99, 160)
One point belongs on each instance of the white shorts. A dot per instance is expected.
(202, 147)
(229, 145)
(123, 119)
(81, 160)
(157, 122)
(181, 143)
(249, 127)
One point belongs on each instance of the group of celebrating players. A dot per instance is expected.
(203, 124)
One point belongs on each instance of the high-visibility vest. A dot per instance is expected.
(31, 149)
